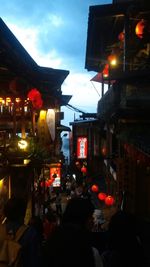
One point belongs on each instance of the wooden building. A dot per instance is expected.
(118, 50)
(30, 110)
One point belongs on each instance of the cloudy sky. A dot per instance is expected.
(54, 32)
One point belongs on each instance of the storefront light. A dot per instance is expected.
(22, 144)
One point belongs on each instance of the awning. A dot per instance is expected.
(100, 79)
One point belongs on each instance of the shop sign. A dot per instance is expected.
(82, 147)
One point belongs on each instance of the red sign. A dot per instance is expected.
(82, 147)
(55, 174)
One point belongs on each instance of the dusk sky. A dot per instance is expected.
(54, 33)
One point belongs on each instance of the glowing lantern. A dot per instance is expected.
(140, 27)
(84, 169)
(109, 200)
(35, 97)
(102, 196)
(112, 60)
(121, 36)
(94, 188)
(106, 71)
(104, 151)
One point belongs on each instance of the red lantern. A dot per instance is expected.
(94, 188)
(84, 169)
(112, 60)
(109, 200)
(104, 151)
(140, 27)
(102, 196)
(35, 97)
(106, 71)
(121, 36)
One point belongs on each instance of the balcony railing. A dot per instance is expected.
(124, 97)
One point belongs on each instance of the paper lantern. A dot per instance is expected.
(104, 151)
(112, 60)
(35, 97)
(109, 200)
(84, 169)
(102, 196)
(140, 27)
(94, 188)
(121, 36)
(106, 71)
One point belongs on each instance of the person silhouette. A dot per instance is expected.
(14, 212)
(70, 244)
(124, 248)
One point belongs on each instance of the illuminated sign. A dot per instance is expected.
(55, 173)
(82, 147)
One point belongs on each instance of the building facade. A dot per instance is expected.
(118, 50)
(30, 114)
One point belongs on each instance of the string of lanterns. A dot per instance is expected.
(108, 199)
(142, 30)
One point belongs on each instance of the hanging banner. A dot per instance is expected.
(50, 119)
(42, 127)
(82, 147)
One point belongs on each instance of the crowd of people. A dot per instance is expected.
(68, 237)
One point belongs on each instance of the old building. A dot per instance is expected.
(30, 114)
(118, 50)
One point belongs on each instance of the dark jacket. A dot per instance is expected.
(70, 247)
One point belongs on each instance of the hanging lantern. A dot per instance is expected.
(109, 200)
(140, 27)
(112, 60)
(35, 97)
(106, 71)
(84, 169)
(121, 36)
(102, 196)
(94, 188)
(104, 151)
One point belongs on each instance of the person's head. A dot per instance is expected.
(79, 211)
(15, 209)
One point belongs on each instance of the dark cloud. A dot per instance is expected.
(68, 39)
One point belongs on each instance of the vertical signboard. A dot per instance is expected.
(82, 147)
(55, 173)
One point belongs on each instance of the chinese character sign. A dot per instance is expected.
(82, 147)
